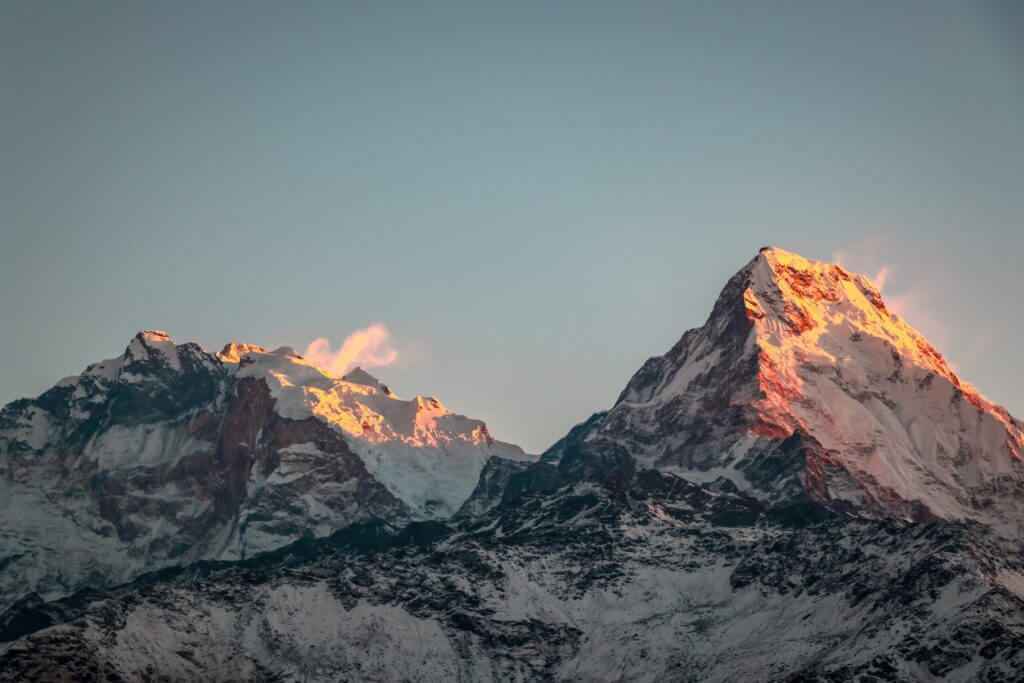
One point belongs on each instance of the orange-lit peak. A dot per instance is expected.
(804, 309)
(235, 351)
(807, 277)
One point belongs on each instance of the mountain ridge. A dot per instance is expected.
(170, 454)
(800, 489)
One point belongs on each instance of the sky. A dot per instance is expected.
(509, 206)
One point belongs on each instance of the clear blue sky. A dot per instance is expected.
(533, 197)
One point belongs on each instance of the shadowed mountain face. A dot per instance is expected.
(801, 489)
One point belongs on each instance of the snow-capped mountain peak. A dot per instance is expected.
(151, 345)
(804, 350)
(806, 312)
(169, 454)
(233, 352)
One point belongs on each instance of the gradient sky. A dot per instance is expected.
(532, 197)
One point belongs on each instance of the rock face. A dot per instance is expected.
(168, 454)
(801, 489)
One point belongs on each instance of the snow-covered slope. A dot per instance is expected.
(168, 454)
(803, 380)
(426, 455)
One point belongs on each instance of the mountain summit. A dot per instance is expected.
(802, 380)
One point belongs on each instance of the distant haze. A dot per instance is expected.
(530, 199)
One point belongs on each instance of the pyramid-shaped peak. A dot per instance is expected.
(147, 344)
(787, 296)
(803, 379)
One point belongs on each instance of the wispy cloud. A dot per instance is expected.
(368, 347)
(915, 306)
(913, 298)
(870, 255)
(866, 256)
(881, 277)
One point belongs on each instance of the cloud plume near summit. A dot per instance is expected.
(367, 347)
(915, 300)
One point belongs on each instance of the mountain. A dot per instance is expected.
(168, 454)
(802, 380)
(800, 489)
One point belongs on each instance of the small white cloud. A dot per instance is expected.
(368, 347)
